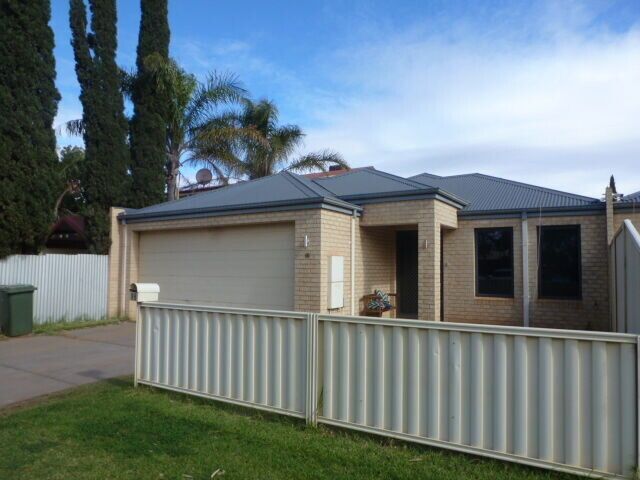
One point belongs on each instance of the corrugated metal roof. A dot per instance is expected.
(366, 182)
(487, 193)
(632, 197)
(480, 193)
(283, 187)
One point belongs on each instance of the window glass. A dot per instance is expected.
(494, 261)
(560, 262)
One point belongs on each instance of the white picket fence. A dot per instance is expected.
(69, 287)
(624, 261)
(558, 399)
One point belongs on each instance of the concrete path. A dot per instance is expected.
(42, 364)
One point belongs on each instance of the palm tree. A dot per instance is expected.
(195, 109)
(267, 151)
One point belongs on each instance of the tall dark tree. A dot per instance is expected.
(105, 127)
(28, 105)
(150, 112)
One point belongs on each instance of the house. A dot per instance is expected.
(464, 248)
(68, 235)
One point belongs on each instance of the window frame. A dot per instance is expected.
(476, 232)
(577, 227)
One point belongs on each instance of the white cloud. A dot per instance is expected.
(563, 112)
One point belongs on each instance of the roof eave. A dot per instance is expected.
(545, 211)
(405, 195)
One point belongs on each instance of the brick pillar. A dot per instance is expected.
(115, 264)
(610, 224)
(429, 268)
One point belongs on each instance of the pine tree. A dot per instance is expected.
(149, 123)
(28, 105)
(105, 126)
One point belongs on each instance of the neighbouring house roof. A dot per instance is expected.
(486, 194)
(68, 232)
(332, 172)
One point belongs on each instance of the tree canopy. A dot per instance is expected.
(150, 113)
(28, 102)
(105, 127)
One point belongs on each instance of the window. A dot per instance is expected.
(559, 273)
(494, 262)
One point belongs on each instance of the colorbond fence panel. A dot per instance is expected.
(558, 399)
(624, 261)
(69, 286)
(251, 357)
(544, 397)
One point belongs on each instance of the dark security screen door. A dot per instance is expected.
(407, 272)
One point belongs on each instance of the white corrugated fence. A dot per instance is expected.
(69, 286)
(624, 261)
(558, 399)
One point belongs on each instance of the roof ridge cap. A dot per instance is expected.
(297, 183)
(391, 176)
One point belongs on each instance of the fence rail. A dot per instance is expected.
(564, 400)
(69, 286)
(624, 261)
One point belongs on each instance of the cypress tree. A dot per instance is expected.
(28, 105)
(149, 123)
(106, 182)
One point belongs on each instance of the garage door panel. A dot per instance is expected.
(206, 264)
(236, 266)
(233, 293)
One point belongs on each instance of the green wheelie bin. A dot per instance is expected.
(16, 309)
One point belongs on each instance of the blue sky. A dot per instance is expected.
(545, 92)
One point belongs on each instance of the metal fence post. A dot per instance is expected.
(137, 349)
(311, 394)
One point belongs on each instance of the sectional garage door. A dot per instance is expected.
(236, 267)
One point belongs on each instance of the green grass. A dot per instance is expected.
(111, 430)
(51, 328)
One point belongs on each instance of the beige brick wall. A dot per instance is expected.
(114, 293)
(335, 241)
(592, 311)
(462, 304)
(621, 215)
(460, 301)
(375, 263)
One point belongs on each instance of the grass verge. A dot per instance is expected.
(111, 430)
(50, 328)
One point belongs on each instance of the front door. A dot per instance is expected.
(407, 272)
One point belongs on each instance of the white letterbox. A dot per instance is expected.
(144, 292)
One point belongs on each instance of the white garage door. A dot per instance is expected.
(249, 267)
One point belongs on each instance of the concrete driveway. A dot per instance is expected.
(43, 364)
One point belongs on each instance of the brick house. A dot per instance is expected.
(466, 248)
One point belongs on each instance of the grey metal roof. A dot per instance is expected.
(485, 193)
(477, 193)
(274, 191)
(632, 197)
(365, 182)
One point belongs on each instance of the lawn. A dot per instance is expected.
(111, 430)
